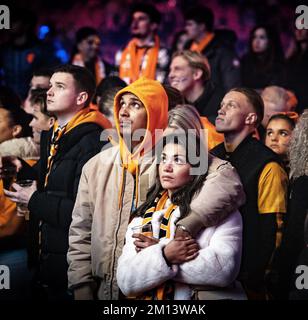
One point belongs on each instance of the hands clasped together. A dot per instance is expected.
(181, 249)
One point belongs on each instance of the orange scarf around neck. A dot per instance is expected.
(100, 72)
(200, 46)
(139, 61)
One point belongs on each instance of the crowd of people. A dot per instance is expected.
(174, 174)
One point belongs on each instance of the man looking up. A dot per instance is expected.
(65, 148)
(264, 181)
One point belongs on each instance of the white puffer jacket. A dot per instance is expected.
(217, 264)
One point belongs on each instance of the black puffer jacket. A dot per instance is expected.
(51, 206)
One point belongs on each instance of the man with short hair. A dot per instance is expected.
(276, 100)
(263, 178)
(199, 26)
(144, 55)
(65, 148)
(190, 74)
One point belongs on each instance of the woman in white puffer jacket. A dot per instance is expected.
(161, 267)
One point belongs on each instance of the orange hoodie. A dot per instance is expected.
(154, 99)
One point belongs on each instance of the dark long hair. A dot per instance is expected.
(183, 196)
(273, 54)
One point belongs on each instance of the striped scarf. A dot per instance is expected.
(166, 290)
(54, 146)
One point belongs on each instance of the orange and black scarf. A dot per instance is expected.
(58, 132)
(166, 290)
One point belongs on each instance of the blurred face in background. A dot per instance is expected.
(301, 35)
(182, 41)
(141, 25)
(278, 136)
(273, 104)
(193, 29)
(37, 82)
(89, 47)
(40, 122)
(181, 75)
(260, 41)
(6, 128)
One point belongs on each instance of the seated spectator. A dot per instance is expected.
(159, 267)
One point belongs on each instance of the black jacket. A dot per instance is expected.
(209, 101)
(225, 66)
(51, 206)
(259, 230)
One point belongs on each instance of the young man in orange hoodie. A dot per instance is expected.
(65, 148)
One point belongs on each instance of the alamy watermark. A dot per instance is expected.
(4, 17)
(4, 277)
(301, 281)
(301, 21)
(152, 146)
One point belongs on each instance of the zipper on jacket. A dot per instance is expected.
(116, 237)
